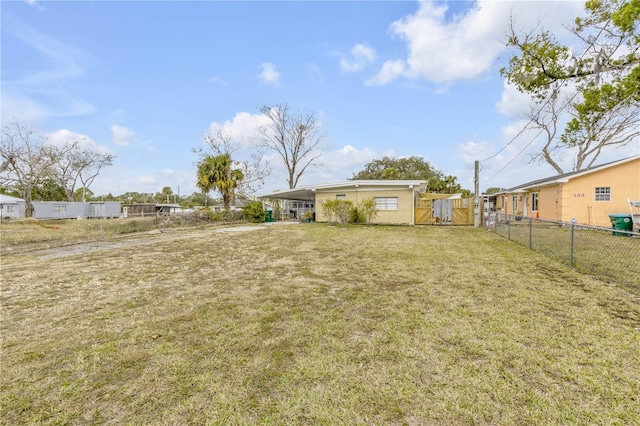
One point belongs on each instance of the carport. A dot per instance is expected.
(295, 203)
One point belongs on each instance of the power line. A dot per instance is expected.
(517, 155)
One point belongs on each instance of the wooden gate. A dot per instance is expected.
(438, 209)
(424, 209)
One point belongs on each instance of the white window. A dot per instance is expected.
(515, 203)
(341, 197)
(603, 193)
(534, 201)
(11, 209)
(386, 203)
(60, 209)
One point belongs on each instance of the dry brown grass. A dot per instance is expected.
(311, 324)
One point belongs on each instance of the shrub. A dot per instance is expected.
(329, 210)
(355, 215)
(254, 212)
(367, 210)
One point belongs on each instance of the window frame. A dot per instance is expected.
(535, 201)
(602, 193)
(387, 203)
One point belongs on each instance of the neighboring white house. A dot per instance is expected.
(13, 207)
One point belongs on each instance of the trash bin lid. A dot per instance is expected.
(619, 216)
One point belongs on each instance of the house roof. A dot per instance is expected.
(9, 199)
(565, 177)
(307, 192)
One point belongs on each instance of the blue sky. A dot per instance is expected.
(146, 80)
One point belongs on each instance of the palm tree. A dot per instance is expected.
(216, 172)
(450, 185)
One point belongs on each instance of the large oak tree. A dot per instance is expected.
(593, 84)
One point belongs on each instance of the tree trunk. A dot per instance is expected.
(29, 209)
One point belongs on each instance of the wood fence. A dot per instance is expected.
(438, 209)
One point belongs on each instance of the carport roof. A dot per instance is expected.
(307, 193)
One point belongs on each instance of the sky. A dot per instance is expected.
(147, 80)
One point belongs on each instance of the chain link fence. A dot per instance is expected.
(609, 254)
(26, 234)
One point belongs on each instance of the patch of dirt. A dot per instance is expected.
(151, 237)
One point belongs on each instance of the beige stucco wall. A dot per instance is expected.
(402, 216)
(578, 195)
(549, 203)
(575, 199)
(508, 204)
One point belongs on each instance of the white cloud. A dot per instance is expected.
(269, 74)
(471, 151)
(513, 103)
(362, 55)
(443, 48)
(63, 136)
(121, 135)
(168, 172)
(389, 72)
(35, 4)
(241, 128)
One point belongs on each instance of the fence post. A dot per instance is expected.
(508, 228)
(571, 248)
(530, 233)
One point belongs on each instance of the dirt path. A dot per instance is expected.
(152, 237)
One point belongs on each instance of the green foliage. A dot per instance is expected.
(444, 185)
(367, 210)
(494, 189)
(409, 168)
(329, 209)
(88, 194)
(254, 212)
(387, 168)
(342, 209)
(542, 52)
(217, 172)
(602, 64)
(48, 190)
(337, 211)
(355, 216)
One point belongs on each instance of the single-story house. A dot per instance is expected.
(13, 207)
(150, 209)
(395, 199)
(589, 196)
(235, 205)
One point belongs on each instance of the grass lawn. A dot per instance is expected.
(599, 253)
(312, 324)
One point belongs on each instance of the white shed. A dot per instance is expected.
(11, 206)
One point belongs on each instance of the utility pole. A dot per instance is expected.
(476, 203)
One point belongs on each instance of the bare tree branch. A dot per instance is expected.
(295, 137)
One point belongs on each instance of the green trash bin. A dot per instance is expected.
(622, 222)
(268, 216)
